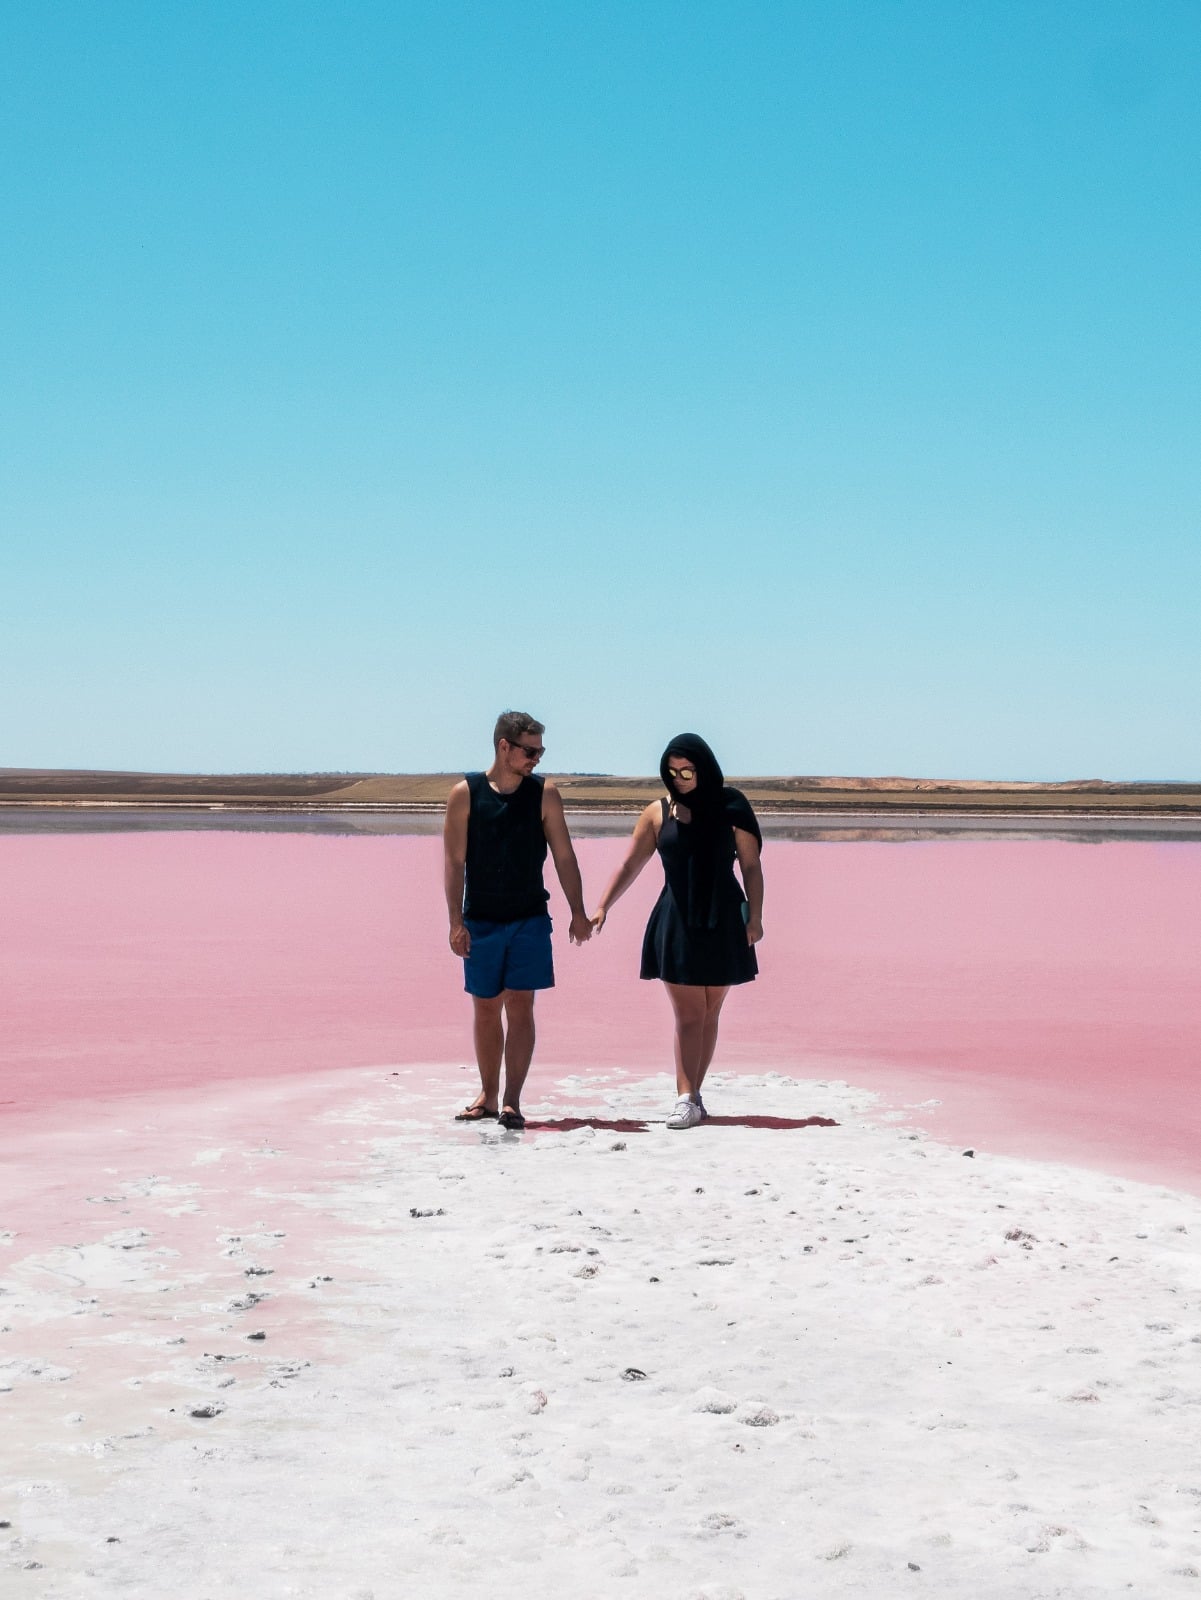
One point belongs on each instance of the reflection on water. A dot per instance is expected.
(831, 828)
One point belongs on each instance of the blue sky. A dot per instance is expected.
(822, 377)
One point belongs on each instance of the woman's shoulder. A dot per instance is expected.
(740, 813)
(650, 820)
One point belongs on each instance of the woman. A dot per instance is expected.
(702, 934)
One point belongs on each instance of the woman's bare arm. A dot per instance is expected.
(751, 868)
(641, 849)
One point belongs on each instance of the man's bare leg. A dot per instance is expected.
(489, 1035)
(519, 1043)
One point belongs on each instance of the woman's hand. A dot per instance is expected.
(754, 932)
(598, 920)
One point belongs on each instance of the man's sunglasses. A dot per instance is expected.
(534, 751)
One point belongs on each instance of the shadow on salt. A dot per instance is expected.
(627, 1125)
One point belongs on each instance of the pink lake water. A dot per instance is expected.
(1045, 993)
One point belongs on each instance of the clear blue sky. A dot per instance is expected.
(823, 377)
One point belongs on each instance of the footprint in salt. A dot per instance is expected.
(513, 1480)
(716, 1523)
(754, 1414)
(523, 1446)
(715, 1401)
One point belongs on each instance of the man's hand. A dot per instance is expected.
(460, 940)
(581, 928)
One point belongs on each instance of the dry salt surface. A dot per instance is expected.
(324, 1342)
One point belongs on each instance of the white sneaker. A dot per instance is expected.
(687, 1114)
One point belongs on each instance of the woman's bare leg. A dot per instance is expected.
(688, 1003)
(714, 1000)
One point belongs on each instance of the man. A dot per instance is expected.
(499, 824)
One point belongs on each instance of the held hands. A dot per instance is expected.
(581, 928)
(598, 920)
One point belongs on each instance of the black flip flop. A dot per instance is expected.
(477, 1114)
(513, 1120)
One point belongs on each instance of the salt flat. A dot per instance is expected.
(825, 1357)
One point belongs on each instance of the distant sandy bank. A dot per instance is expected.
(417, 792)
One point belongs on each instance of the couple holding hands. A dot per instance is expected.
(700, 939)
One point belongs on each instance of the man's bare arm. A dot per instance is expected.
(554, 825)
(454, 851)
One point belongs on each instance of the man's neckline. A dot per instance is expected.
(504, 793)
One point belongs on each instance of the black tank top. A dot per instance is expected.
(506, 846)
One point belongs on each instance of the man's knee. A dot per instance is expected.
(518, 1002)
(488, 1010)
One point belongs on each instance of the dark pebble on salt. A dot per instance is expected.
(633, 1374)
(418, 1211)
(913, 1566)
(5, 1524)
(655, 1280)
(259, 1335)
(112, 1539)
(966, 1153)
(213, 1410)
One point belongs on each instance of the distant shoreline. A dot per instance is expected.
(421, 794)
(825, 809)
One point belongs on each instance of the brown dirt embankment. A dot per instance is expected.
(585, 792)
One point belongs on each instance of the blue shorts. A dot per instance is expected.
(508, 955)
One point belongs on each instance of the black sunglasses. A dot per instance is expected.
(534, 751)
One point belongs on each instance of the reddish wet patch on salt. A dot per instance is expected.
(1046, 992)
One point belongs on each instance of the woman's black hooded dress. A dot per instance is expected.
(697, 930)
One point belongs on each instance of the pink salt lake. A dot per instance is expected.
(1045, 993)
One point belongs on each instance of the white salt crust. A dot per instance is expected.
(739, 1360)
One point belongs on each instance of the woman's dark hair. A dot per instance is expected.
(715, 809)
(710, 781)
